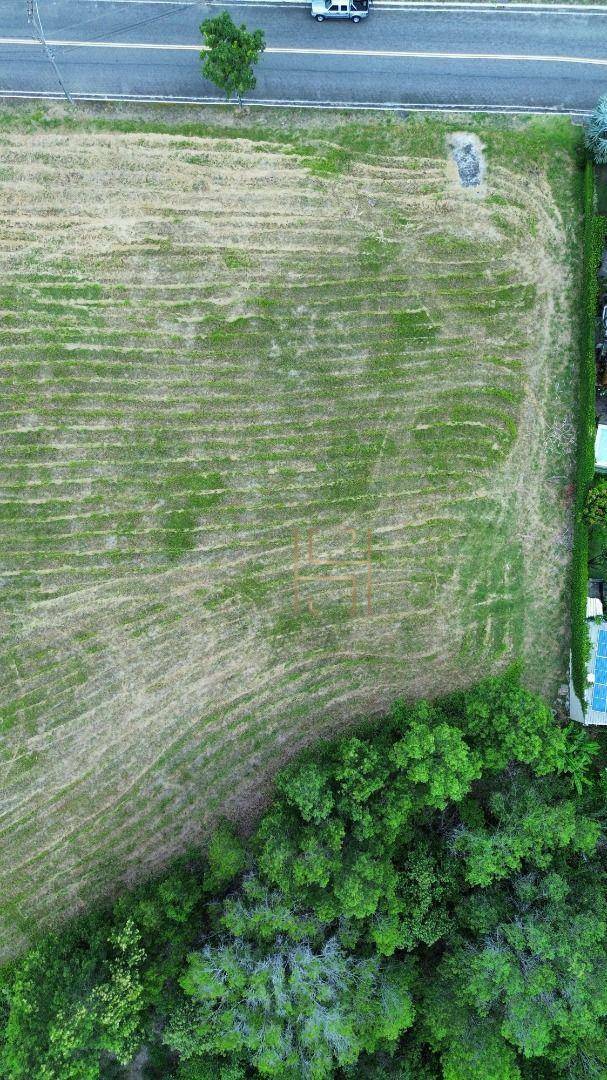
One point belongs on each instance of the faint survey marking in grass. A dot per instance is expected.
(310, 568)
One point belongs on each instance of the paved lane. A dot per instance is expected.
(572, 34)
(504, 63)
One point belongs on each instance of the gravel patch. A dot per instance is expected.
(468, 156)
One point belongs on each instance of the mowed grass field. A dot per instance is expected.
(212, 341)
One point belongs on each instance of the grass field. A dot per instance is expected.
(213, 341)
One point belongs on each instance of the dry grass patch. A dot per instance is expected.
(207, 344)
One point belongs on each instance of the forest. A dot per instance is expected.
(424, 897)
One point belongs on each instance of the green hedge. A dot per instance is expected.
(594, 234)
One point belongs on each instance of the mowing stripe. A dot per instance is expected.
(138, 380)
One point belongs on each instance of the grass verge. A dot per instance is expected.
(594, 234)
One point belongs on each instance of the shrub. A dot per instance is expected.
(596, 133)
(597, 553)
(595, 507)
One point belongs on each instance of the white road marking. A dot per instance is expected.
(272, 3)
(162, 3)
(421, 54)
(283, 103)
(68, 42)
(437, 5)
(481, 6)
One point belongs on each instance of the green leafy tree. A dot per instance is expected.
(342, 834)
(505, 724)
(333, 835)
(438, 757)
(534, 986)
(524, 823)
(292, 1012)
(65, 1032)
(596, 132)
(231, 52)
(595, 507)
(467, 833)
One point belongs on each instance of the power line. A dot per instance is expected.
(33, 18)
(176, 9)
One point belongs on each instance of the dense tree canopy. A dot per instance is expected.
(533, 981)
(290, 1010)
(424, 898)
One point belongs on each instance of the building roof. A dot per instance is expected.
(596, 691)
(600, 447)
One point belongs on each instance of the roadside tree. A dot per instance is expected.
(596, 132)
(230, 54)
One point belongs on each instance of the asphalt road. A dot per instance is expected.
(545, 60)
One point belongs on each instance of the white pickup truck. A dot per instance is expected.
(340, 9)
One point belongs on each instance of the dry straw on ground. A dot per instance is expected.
(206, 344)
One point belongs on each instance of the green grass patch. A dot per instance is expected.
(594, 237)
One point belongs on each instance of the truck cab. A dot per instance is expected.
(355, 10)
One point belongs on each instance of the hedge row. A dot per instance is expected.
(594, 235)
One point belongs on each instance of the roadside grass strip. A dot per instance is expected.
(594, 239)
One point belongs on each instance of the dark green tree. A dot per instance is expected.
(532, 986)
(595, 507)
(230, 54)
(351, 832)
(424, 898)
(66, 1014)
(85, 999)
